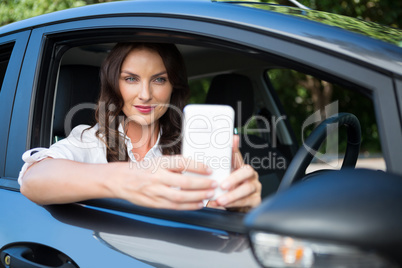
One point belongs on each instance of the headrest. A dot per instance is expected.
(77, 84)
(230, 89)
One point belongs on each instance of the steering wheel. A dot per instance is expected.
(297, 168)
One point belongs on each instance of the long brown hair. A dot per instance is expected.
(109, 112)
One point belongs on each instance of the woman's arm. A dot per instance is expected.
(55, 181)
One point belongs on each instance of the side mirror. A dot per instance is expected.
(346, 218)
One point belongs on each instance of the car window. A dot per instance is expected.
(302, 95)
(5, 54)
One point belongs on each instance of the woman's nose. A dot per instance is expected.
(145, 93)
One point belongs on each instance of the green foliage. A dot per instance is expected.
(15, 10)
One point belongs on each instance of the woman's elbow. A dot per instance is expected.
(30, 190)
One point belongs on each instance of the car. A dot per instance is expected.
(296, 77)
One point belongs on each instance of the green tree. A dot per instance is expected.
(15, 10)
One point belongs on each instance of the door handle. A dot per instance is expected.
(35, 256)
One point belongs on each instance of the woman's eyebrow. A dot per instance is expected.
(159, 74)
(129, 73)
(153, 76)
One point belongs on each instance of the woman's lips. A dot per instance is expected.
(145, 109)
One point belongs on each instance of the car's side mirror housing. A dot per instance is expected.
(343, 213)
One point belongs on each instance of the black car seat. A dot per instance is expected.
(77, 92)
(237, 91)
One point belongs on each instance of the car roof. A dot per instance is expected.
(376, 45)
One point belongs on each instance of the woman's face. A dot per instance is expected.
(144, 86)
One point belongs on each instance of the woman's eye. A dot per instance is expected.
(160, 80)
(130, 79)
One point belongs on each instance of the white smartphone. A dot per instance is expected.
(208, 138)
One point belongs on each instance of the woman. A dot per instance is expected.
(143, 86)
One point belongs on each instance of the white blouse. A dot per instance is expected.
(81, 146)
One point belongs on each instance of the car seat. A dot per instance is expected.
(77, 92)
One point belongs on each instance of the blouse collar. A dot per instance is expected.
(155, 151)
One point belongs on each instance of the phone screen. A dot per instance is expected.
(208, 138)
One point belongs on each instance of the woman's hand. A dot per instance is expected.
(242, 185)
(159, 183)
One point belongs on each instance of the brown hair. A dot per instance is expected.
(109, 112)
